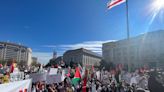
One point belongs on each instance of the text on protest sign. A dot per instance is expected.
(17, 86)
(38, 77)
(53, 79)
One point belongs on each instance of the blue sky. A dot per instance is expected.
(47, 25)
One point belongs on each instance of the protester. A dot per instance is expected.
(85, 79)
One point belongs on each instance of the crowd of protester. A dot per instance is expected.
(118, 80)
(92, 86)
(4, 74)
(108, 82)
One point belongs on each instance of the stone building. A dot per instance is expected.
(147, 48)
(16, 52)
(82, 56)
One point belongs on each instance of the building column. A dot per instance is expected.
(4, 52)
(18, 54)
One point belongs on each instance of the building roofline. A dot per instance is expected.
(138, 36)
(85, 51)
(15, 44)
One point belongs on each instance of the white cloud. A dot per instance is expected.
(43, 57)
(95, 46)
(49, 46)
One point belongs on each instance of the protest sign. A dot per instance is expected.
(53, 79)
(53, 71)
(98, 75)
(63, 75)
(17, 86)
(16, 76)
(16, 70)
(38, 77)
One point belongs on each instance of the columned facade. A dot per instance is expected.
(82, 56)
(14, 51)
(144, 49)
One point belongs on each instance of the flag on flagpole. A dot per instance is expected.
(83, 72)
(68, 72)
(93, 71)
(77, 77)
(84, 85)
(80, 68)
(63, 75)
(113, 3)
(12, 67)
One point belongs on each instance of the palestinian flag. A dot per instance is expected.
(80, 68)
(77, 77)
(68, 72)
(84, 86)
(12, 67)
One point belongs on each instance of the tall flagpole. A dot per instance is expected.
(127, 27)
(127, 19)
(128, 36)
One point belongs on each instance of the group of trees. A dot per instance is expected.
(7, 62)
(52, 62)
(106, 65)
(103, 64)
(20, 64)
(55, 61)
(110, 65)
(35, 63)
(3, 62)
